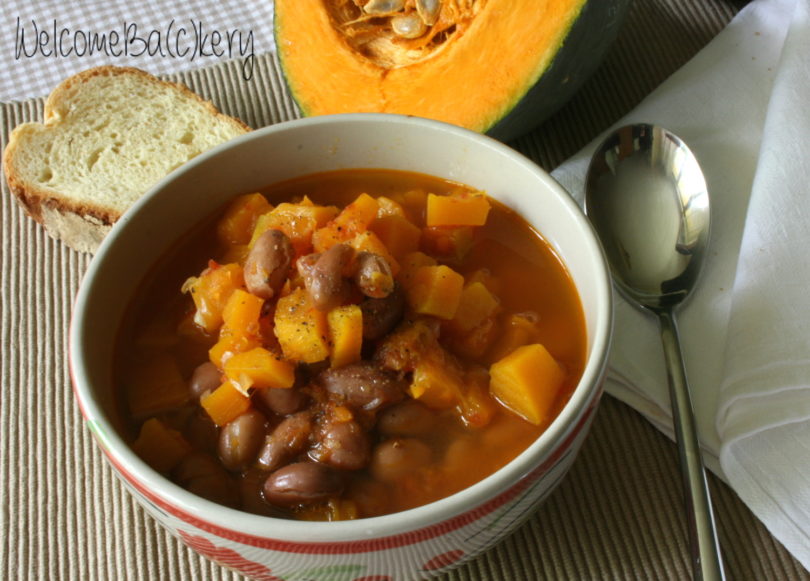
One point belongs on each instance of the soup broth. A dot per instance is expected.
(445, 341)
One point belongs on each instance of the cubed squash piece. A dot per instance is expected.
(435, 385)
(211, 291)
(360, 213)
(471, 331)
(237, 224)
(346, 334)
(321, 214)
(450, 243)
(297, 225)
(457, 209)
(485, 277)
(242, 312)
(399, 235)
(160, 446)
(156, 385)
(435, 290)
(354, 219)
(241, 329)
(259, 368)
(413, 202)
(301, 329)
(527, 382)
(410, 262)
(324, 238)
(229, 344)
(388, 207)
(476, 305)
(477, 406)
(225, 403)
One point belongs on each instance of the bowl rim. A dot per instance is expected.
(140, 475)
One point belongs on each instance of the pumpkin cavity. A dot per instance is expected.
(397, 33)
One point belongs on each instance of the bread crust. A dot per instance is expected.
(80, 225)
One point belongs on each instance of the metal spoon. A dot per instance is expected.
(647, 199)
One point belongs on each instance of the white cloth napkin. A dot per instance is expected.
(160, 36)
(742, 106)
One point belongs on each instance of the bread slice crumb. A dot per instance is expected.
(109, 134)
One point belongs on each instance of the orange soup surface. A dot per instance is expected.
(348, 344)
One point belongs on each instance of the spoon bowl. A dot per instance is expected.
(647, 200)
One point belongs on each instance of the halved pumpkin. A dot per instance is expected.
(496, 66)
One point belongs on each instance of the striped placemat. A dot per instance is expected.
(64, 515)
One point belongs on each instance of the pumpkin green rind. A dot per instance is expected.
(584, 47)
(503, 68)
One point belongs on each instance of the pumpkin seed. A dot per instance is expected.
(428, 10)
(383, 6)
(408, 25)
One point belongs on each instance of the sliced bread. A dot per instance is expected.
(109, 134)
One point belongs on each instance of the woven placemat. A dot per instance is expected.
(64, 515)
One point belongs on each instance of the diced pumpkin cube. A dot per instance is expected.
(237, 224)
(450, 243)
(241, 330)
(414, 203)
(321, 214)
(346, 333)
(228, 345)
(477, 406)
(259, 368)
(475, 305)
(360, 212)
(435, 385)
(301, 328)
(354, 219)
(264, 223)
(388, 207)
(473, 328)
(435, 290)
(242, 312)
(457, 209)
(324, 238)
(295, 221)
(399, 235)
(369, 242)
(156, 385)
(225, 403)
(160, 446)
(485, 277)
(527, 382)
(211, 290)
(410, 262)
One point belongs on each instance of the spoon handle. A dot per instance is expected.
(707, 563)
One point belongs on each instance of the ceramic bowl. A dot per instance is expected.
(412, 544)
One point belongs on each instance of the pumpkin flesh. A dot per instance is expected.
(482, 67)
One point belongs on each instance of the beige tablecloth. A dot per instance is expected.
(64, 515)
